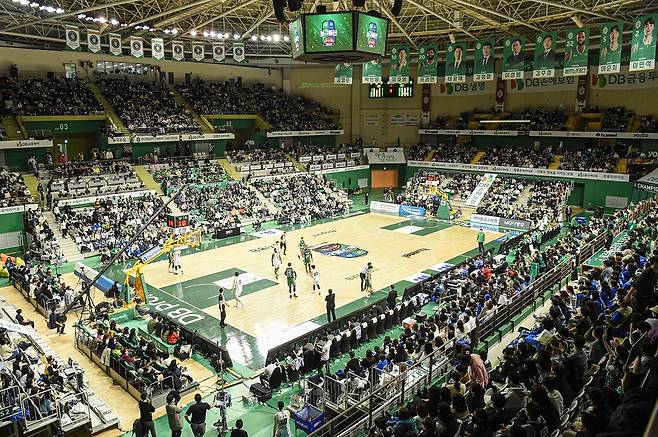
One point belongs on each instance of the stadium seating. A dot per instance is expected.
(47, 97)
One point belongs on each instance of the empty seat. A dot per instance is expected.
(380, 324)
(345, 342)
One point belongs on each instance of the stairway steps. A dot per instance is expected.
(12, 128)
(229, 169)
(109, 110)
(298, 165)
(205, 127)
(556, 162)
(31, 182)
(68, 247)
(478, 156)
(146, 177)
(430, 155)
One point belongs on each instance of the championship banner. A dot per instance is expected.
(643, 45)
(544, 60)
(371, 72)
(427, 63)
(114, 41)
(177, 51)
(456, 63)
(93, 41)
(343, 74)
(218, 51)
(484, 61)
(136, 47)
(238, 52)
(399, 66)
(72, 37)
(157, 48)
(513, 57)
(581, 93)
(576, 51)
(198, 51)
(610, 47)
(501, 90)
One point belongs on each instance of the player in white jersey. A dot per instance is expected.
(276, 261)
(315, 275)
(237, 289)
(177, 263)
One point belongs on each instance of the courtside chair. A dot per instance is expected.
(345, 341)
(381, 323)
(396, 315)
(354, 343)
(364, 332)
(334, 352)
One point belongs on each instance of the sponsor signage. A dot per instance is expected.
(305, 133)
(569, 134)
(340, 170)
(412, 211)
(384, 207)
(522, 171)
(118, 140)
(24, 144)
(495, 133)
(18, 208)
(138, 139)
(92, 199)
(502, 222)
(386, 157)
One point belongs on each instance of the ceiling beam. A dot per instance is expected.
(441, 17)
(257, 23)
(190, 11)
(579, 10)
(397, 24)
(496, 13)
(222, 15)
(67, 15)
(169, 12)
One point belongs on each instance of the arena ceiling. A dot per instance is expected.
(39, 22)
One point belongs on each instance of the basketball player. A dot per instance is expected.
(302, 248)
(170, 258)
(177, 263)
(282, 243)
(308, 259)
(276, 261)
(237, 289)
(291, 276)
(315, 274)
(368, 281)
(222, 308)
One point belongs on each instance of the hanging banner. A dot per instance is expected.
(343, 74)
(136, 47)
(427, 96)
(501, 90)
(198, 51)
(427, 64)
(157, 48)
(513, 57)
(114, 41)
(576, 51)
(486, 181)
(177, 51)
(643, 45)
(610, 47)
(625, 80)
(484, 61)
(581, 93)
(399, 66)
(238, 52)
(371, 72)
(93, 41)
(456, 63)
(72, 37)
(218, 51)
(544, 61)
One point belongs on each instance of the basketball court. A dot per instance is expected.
(341, 248)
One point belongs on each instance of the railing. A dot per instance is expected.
(9, 402)
(39, 409)
(73, 411)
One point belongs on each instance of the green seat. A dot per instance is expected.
(481, 349)
(505, 329)
(492, 339)
(548, 294)
(539, 302)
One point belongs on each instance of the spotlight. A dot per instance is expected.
(213, 34)
(452, 37)
(205, 34)
(226, 35)
(576, 19)
(114, 21)
(286, 38)
(276, 37)
(193, 32)
(236, 36)
(174, 31)
(254, 37)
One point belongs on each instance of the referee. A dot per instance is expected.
(362, 275)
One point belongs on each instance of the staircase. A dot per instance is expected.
(67, 245)
(146, 177)
(556, 162)
(298, 165)
(523, 197)
(269, 205)
(12, 128)
(229, 169)
(31, 183)
(571, 122)
(430, 155)
(634, 124)
(172, 206)
(206, 127)
(109, 111)
(622, 166)
(478, 156)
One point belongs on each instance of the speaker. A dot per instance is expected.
(279, 6)
(359, 3)
(321, 9)
(295, 5)
(397, 8)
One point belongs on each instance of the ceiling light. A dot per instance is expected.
(114, 22)
(286, 38)
(276, 37)
(452, 37)
(59, 10)
(34, 5)
(269, 37)
(576, 19)
(101, 19)
(236, 36)
(174, 31)
(226, 35)
(81, 16)
(213, 34)
(193, 32)
(167, 31)
(205, 34)
(254, 37)
(262, 37)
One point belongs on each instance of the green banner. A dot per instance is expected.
(372, 71)
(456, 63)
(343, 74)
(513, 57)
(400, 60)
(484, 60)
(544, 61)
(643, 45)
(610, 47)
(427, 71)
(576, 51)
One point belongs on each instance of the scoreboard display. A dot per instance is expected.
(175, 221)
(371, 34)
(329, 32)
(386, 90)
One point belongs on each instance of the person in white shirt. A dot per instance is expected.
(237, 289)
(281, 421)
(177, 263)
(315, 274)
(276, 261)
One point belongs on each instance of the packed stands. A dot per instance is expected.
(173, 173)
(13, 191)
(597, 159)
(540, 119)
(616, 119)
(317, 157)
(301, 198)
(648, 123)
(261, 162)
(507, 156)
(463, 153)
(131, 99)
(109, 225)
(215, 98)
(418, 152)
(47, 97)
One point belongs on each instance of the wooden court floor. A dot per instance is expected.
(397, 247)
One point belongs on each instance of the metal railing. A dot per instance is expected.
(73, 411)
(9, 406)
(39, 409)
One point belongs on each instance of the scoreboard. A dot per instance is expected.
(390, 90)
(178, 223)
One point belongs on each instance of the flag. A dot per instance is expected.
(177, 51)
(576, 52)
(372, 71)
(544, 61)
(93, 41)
(399, 64)
(114, 40)
(343, 74)
(198, 51)
(427, 63)
(610, 47)
(72, 37)
(238, 52)
(456, 63)
(484, 60)
(137, 46)
(157, 48)
(514, 57)
(643, 44)
(218, 52)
